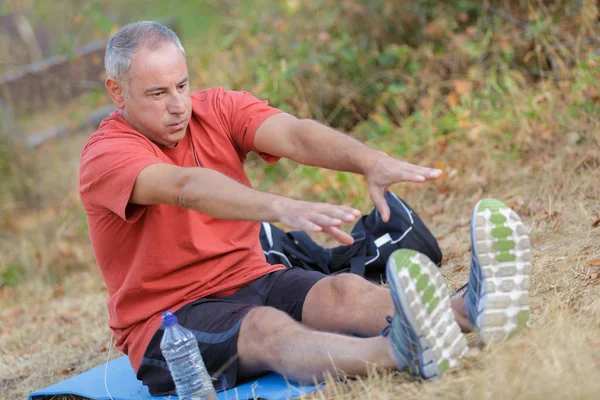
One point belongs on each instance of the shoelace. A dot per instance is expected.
(387, 329)
(460, 289)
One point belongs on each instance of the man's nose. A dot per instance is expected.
(176, 104)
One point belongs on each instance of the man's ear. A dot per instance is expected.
(116, 91)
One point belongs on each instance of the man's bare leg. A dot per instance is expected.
(350, 304)
(270, 340)
(459, 309)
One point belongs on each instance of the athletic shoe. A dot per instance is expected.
(424, 334)
(497, 297)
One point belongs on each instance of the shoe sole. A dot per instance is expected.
(502, 247)
(422, 298)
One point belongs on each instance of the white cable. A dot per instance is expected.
(106, 366)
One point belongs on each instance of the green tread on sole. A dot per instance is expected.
(501, 232)
(422, 282)
(414, 270)
(433, 304)
(498, 218)
(491, 204)
(427, 295)
(504, 245)
(505, 257)
(522, 319)
(402, 260)
(443, 365)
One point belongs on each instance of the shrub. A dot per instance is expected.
(343, 62)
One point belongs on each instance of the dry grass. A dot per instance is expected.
(50, 333)
(54, 323)
(559, 357)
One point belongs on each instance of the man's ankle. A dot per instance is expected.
(457, 304)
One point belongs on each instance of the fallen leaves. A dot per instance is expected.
(459, 268)
(70, 319)
(66, 370)
(434, 29)
(463, 86)
(453, 99)
(594, 277)
(594, 263)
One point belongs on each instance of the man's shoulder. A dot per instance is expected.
(207, 98)
(215, 95)
(113, 132)
(208, 93)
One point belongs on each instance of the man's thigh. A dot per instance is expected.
(215, 322)
(286, 290)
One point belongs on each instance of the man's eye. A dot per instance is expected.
(156, 95)
(182, 86)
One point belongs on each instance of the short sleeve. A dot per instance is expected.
(108, 170)
(244, 114)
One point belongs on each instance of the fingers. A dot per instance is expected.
(302, 224)
(314, 217)
(317, 217)
(339, 235)
(377, 195)
(404, 174)
(419, 173)
(350, 210)
(324, 220)
(393, 170)
(342, 213)
(318, 222)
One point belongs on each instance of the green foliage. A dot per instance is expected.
(11, 275)
(421, 80)
(17, 167)
(371, 67)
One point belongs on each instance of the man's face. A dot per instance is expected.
(156, 99)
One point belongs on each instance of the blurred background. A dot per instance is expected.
(500, 94)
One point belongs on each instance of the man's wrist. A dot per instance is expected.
(369, 164)
(277, 207)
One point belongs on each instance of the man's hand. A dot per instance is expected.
(315, 217)
(386, 171)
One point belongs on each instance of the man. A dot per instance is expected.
(174, 225)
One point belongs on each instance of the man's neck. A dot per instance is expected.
(123, 113)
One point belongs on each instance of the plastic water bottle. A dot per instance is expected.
(180, 350)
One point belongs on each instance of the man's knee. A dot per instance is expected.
(266, 321)
(262, 331)
(348, 288)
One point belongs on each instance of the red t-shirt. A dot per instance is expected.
(160, 257)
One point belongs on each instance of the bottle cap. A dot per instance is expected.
(169, 318)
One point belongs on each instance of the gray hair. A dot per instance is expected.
(122, 46)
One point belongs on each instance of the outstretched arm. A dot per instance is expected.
(215, 194)
(311, 143)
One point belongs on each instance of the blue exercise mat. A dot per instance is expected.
(123, 385)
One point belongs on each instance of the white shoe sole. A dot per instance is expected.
(421, 291)
(502, 246)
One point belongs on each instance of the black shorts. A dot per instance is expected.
(216, 324)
